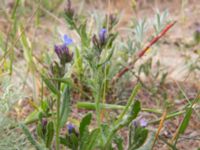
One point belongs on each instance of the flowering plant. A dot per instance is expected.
(95, 73)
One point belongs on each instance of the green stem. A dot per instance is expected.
(171, 115)
(58, 123)
(98, 110)
(130, 100)
(91, 106)
(169, 144)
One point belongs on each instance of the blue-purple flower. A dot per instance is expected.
(70, 128)
(140, 123)
(102, 35)
(62, 50)
(143, 122)
(67, 40)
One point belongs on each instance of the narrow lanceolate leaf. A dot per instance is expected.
(32, 117)
(49, 134)
(83, 129)
(137, 137)
(183, 125)
(49, 84)
(107, 58)
(65, 105)
(131, 114)
(83, 34)
(39, 130)
(119, 142)
(149, 142)
(186, 120)
(130, 102)
(30, 137)
(84, 123)
(91, 140)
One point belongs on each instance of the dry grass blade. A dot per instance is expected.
(160, 126)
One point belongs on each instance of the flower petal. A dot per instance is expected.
(67, 40)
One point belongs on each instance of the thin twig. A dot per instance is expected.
(141, 53)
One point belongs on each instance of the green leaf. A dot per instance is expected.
(62, 80)
(130, 115)
(91, 140)
(149, 142)
(63, 141)
(107, 58)
(105, 131)
(31, 138)
(111, 38)
(17, 2)
(73, 139)
(130, 102)
(65, 105)
(137, 137)
(83, 129)
(83, 34)
(50, 85)
(32, 117)
(49, 134)
(39, 130)
(84, 123)
(125, 118)
(119, 142)
(70, 21)
(134, 110)
(78, 62)
(185, 121)
(44, 106)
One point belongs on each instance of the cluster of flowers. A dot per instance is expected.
(63, 52)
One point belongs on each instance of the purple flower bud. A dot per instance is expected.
(70, 128)
(68, 10)
(113, 19)
(102, 36)
(44, 122)
(63, 52)
(135, 124)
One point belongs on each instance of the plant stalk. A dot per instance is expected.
(91, 106)
(58, 121)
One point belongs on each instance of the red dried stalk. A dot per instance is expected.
(154, 40)
(142, 52)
